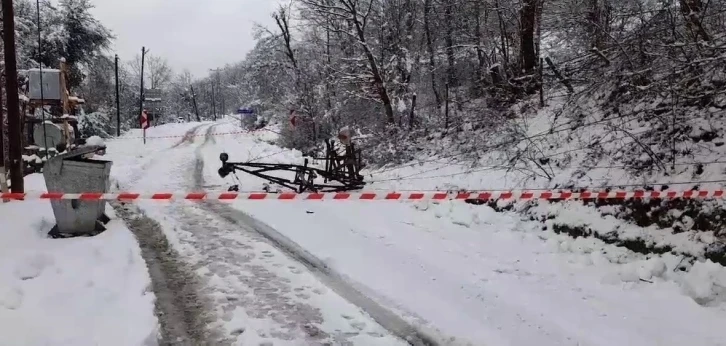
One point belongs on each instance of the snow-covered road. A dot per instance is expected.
(464, 274)
(255, 292)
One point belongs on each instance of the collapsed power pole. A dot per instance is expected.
(13, 102)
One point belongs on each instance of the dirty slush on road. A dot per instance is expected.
(235, 270)
(183, 314)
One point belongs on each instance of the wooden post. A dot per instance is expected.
(65, 94)
(13, 102)
(64, 87)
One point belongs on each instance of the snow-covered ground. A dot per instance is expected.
(464, 274)
(258, 294)
(85, 291)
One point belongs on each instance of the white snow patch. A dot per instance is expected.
(467, 273)
(95, 141)
(85, 291)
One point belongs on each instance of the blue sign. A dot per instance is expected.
(245, 111)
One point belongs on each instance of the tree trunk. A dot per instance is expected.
(432, 55)
(328, 85)
(691, 10)
(450, 58)
(528, 54)
(412, 115)
(598, 22)
(503, 39)
(377, 77)
(479, 83)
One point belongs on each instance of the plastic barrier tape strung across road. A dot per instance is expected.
(371, 196)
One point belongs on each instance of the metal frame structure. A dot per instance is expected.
(341, 173)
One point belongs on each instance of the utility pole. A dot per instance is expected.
(194, 99)
(221, 96)
(141, 93)
(118, 101)
(13, 102)
(214, 103)
(216, 71)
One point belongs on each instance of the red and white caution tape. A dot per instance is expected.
(189, 136)
(213, 134)
(370, 196)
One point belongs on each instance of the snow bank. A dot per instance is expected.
(84, 291)
(483, 277)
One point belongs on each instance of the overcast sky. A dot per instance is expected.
(191, 34)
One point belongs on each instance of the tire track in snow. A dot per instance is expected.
(188, 139)
(182, 313)
(232, 257)
(387, 319)
(189, 136)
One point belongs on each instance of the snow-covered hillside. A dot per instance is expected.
(546, 150)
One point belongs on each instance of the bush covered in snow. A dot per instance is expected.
(95, 124)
